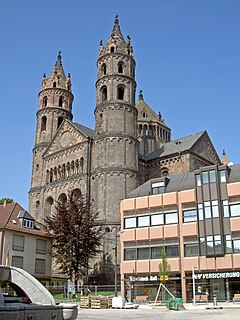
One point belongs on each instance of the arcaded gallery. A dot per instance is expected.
(195, 217)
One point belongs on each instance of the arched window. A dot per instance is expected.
(54, 84)
(51, 176)
(43, 123)
(140, 129)
(60, 120)
(77, 193)
(81, 165)
(120, 67)
(112, 49)
(104, 68)
(164, 172)
(104, 93)
(48, 207)
(60, 102)
(62, 198)
(44, 102)
(120, 93)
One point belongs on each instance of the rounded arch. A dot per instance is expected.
(81, 164)
(62, 198)
(120, 92)
(77, 193)
(44, 101)
(43, 123)
(120, 67)
(164, 172)
(104, 68)
(60, 101)
(60, 120)
(48, 207)
(104, 93)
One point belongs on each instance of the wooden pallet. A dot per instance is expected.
(85, 302)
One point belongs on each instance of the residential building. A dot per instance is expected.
(24, 243)
(195, 218)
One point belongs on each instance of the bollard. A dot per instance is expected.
(214, 300)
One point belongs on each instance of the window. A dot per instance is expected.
(17, 262)
(120, 67)
(104, 93)
(18, 243)
(218, 244)
(156, 219)
(104, 68)
(60, 120)
(207, 210)
(158, 187)
(205, 177)
(44, 103)
(200, 211)
(112, 49)
(191, 248)
(156, 252)
(236, 245)
(130, 223)
(171, 218)
(223, 176)
(28, 223)
(190, 215)
(225, 208)
(120, 93)
(172, 251)
(210, 247)
(130, 254)
(212, 176)
(235, 210)
(202, 246)
(54, 84)
(143, 221)
(60, 102)
(41, 246)
(228, 243)
(215, 210)
(43, 123)
(198, 180)
(143, 253)
(40, 266)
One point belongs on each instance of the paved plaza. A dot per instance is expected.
(157, 314)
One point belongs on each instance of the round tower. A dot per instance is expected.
(115, 151)
(54, 105)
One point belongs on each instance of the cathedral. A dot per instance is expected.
(129, 145)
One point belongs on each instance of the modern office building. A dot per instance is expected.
(195, 217)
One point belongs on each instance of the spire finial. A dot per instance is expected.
(116, 19)
(140, 94)
(59, 58)
(224, 158)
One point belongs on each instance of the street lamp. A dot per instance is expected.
(193, 283)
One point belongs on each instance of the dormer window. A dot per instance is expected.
(158, 187)
(112, 49)
(54, 84)
(28, 223)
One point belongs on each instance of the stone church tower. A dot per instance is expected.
(115, 149)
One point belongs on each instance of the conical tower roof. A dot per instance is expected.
(57, 78)
(116, 41)
(146, 113)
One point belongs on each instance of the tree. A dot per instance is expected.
(8, 200)
(75, 236)
(164, 267)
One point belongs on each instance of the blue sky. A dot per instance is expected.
(188, 66)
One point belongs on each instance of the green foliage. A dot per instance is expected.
(75, 236)
(8, 200)
(164, 267)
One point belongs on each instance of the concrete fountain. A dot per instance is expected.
(31, 300)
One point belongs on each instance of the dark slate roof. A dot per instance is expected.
(175, 146)
(234, 173)
(25, 215)
(180, 181)
(85, 130)
(176, 182)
